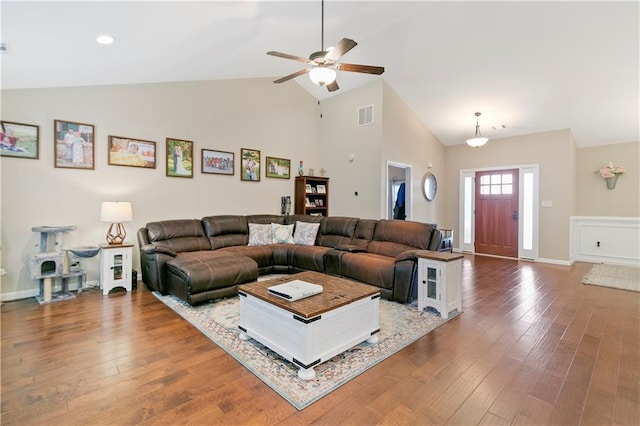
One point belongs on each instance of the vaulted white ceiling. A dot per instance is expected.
(531, 66)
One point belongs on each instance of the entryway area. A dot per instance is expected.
(499, 211)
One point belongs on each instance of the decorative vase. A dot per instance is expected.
(301, 169)
(611, 181)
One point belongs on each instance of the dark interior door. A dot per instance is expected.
(497, 213)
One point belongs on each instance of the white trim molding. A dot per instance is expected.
(605, 239)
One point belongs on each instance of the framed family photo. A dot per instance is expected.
(250, 165)
(132, 152)
(217, 162)
(179, 158)
(19, 140)
(278, 168)
(74, 145)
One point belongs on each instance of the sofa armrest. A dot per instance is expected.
(405, 274)
(151, 249)
(152, 261)
(411, 255)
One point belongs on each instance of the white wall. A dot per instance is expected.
(280, 120)
(594, 199)
(340, 137)
(396, 135)
(406, 140)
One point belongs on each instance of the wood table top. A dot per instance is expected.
(336, 292)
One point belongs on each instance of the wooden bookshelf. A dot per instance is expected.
(312, 195)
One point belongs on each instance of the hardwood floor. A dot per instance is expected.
(533, 346)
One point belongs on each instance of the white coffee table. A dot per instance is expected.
(310, 331)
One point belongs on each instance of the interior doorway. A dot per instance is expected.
(398, 204)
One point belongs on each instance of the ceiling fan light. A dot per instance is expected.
(322, 75)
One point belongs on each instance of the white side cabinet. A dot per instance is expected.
(439, 280)
(115, 266)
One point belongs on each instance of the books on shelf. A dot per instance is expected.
(295, 290)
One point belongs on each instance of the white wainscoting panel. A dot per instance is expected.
(603, 239)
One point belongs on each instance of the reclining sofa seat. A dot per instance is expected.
(198, 260)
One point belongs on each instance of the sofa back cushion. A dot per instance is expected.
(336, 231)
(178, 235)
(392, 237)
(363, 233)
(226, 230)
(292, 219)
(266, 218)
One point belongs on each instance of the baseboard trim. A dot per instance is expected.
(18, 295)
(553, 261)
(25, 294)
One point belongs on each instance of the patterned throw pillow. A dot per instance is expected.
(259, 234)
(282, 234)
(305, 234)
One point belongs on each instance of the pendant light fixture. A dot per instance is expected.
(477, 141)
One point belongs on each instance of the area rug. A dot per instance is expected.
(400, 325)
(615, 276)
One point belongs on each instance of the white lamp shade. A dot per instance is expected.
(477, 142)
(116, 212)
(322, 75)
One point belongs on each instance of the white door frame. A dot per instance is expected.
(467, 200)
(408, 193)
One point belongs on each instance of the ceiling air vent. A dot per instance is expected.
(365, 115)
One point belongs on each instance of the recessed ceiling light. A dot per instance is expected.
(105, 39)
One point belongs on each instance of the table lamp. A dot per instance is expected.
(116, 212)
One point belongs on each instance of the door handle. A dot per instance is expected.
(514, 216)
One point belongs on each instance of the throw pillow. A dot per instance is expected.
(259, 234)
(305, 234)
(282, 234)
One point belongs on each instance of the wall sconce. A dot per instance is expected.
(116, 212)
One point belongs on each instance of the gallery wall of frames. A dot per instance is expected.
(75, 148)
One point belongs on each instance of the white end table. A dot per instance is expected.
(439, 281)
(115, 266)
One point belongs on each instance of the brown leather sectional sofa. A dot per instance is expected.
(200, 260)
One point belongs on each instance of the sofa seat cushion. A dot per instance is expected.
(369, 268)
(309, 258)
(204, 273)
(263, 255)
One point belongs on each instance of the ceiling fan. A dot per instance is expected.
(325, 62)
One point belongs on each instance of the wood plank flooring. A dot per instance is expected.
(533, 346)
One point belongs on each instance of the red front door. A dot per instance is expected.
(497, 213)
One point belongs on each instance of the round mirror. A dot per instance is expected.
(430, 186)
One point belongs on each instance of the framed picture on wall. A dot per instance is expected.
(250, 165)
(179, 158)
(131, 152)
(19, 140)
(218, 162)
(278, 168)
(74, 145)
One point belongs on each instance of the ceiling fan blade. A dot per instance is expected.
(343, 46)
(367, 69)
(291, 76)
(333, 86)
(287, 56)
